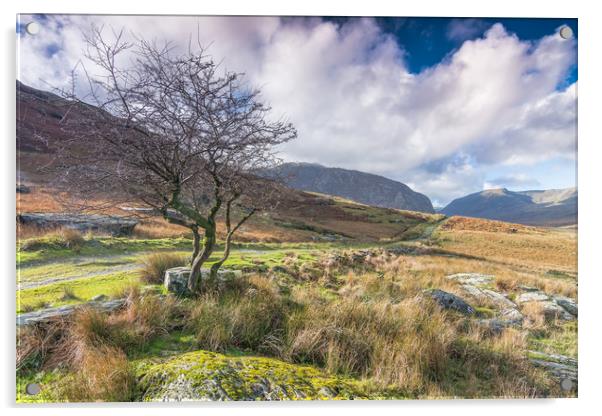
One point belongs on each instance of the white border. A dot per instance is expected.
(589, 195)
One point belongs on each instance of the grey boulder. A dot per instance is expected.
(450, 301)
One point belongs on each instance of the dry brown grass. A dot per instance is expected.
(104, 374)
(404, 344)
(155, 265)
(61, 237)
(458, 223)
(545, 250)
(150, 228)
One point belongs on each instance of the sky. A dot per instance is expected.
(449, 106)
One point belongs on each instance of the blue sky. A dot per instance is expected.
(449, 106)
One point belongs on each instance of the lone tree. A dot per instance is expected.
(173, 133)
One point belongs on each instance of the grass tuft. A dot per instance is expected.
(155, 265)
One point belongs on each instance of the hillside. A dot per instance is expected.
(351, 184)
(551, 208)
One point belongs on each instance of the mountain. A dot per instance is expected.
(552, 207)
(357, 186)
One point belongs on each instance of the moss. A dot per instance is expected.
(204, 375)
(483, 312)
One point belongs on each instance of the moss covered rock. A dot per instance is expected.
(208, 376)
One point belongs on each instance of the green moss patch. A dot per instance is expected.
(204, 375)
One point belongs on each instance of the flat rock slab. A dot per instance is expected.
(553, 306)
(561, 367)
(487, 295)
(532, 297)
(42, 315)
(450, 301)
(117, 226)
(475, 279)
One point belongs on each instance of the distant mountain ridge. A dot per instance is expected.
(552, 207)
(362, 187)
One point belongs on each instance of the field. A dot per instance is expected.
(332, 301)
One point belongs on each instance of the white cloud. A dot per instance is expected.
(354, 101)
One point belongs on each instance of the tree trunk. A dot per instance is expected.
(194, 281)
(216, 266)
(196, 243)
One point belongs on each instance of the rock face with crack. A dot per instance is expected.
(209, 376)
(489, 296)
(450, 301)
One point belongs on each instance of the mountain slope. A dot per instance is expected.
(553, 207)
(358, 186)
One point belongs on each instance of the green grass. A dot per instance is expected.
(45, 379)
(559, 339)
(100, 246)
(83, 290)
(73, 267)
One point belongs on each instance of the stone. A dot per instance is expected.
(43, 315)
(176, 281)
(208, 376)
(552, 310)
(450, 301)
(561, 367)
(526, 288)
(568, 304)
(553, 307)
(475, 279)
(487, 295)
(23, 189)
(116, 226)
(532, 297)
(512, 315)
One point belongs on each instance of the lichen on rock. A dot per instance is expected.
(209, 376)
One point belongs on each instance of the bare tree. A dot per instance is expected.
(173, 132)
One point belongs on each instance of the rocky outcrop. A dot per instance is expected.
(475, 286)
(43, 315)
(209, 376)
(450, 301)
(561, 367)
(117, 226)
(553, 306)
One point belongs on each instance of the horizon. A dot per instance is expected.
(464, 106)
